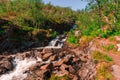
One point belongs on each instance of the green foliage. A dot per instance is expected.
(108, 58)
(2, 31)
(107, 33)
(26, 28)
(97, 15)
(110, 47)
(53, 34)
(29, 15)
(72, 39)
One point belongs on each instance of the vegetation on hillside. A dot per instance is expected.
(100, 18)
(32, 20)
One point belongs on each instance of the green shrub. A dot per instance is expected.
(2, 31)
(53, 34)
(72, 39)
(108, 58)
(110, 47)
(26, 28)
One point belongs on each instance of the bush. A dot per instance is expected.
(72, 39)
(53, 34)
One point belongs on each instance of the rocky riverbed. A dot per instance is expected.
(40, 64)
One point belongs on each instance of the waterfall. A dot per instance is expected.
(57, 42)
(23, 65)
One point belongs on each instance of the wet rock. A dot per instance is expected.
(63, 67)
(75, 78)
(46, 74)
(25, 55)
(40, 55)
(58, 63)
(46, 56)
(34, 67)
(83, 73)
(5, 64)
(76, 59)
(84, 59)
(47, 50)
(47, 66)
(62, 73)
(61, 61)
(71, 69)
(62, 54)
(53, 58)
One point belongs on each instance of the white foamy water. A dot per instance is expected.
(56, 43)
(21, 67)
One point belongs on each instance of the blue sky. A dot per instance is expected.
(74, 4)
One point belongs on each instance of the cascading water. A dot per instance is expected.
(57, 42)
(22, 65)
(19, 72)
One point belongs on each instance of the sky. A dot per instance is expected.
(73, 4)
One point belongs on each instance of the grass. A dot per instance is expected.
(108, 47)
(53, 77)
(104, 63)
(101, 56)
(111, 38)
(103, 72)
